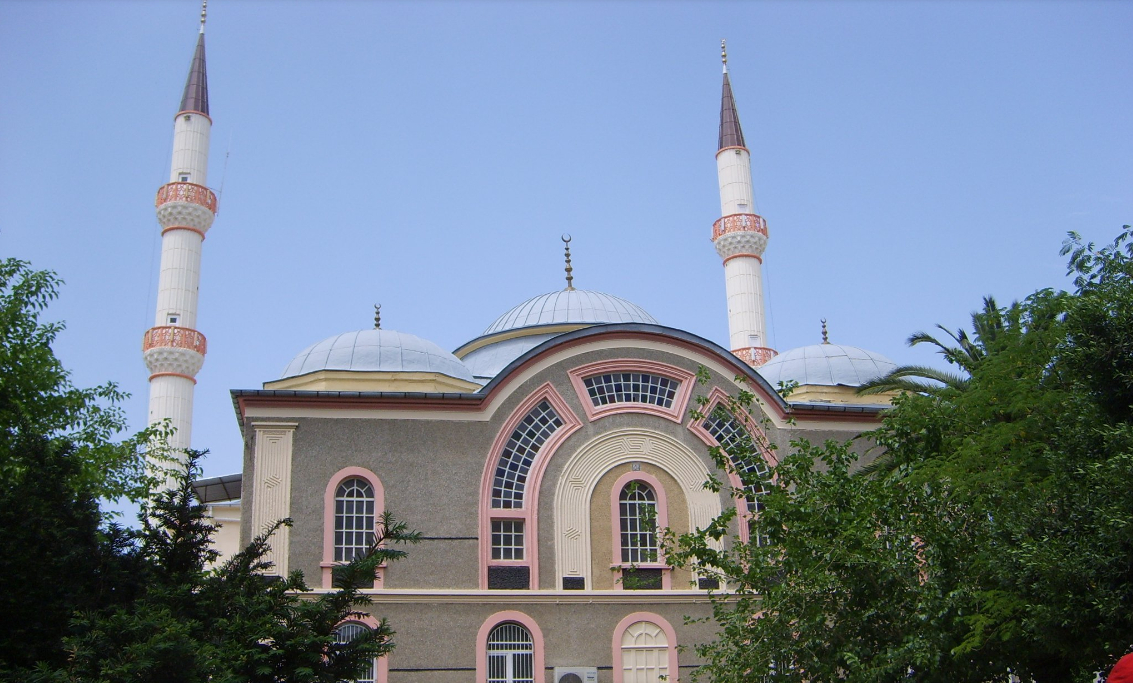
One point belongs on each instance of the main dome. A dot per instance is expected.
(570, 306)
(826, 365)
(376, 351)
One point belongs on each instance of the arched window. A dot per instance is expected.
(734, 439)
(352, 504)
(514, 465)
(348, 632)
(353, 519)
(645, 649)
(645, 653)
(637, 516)
(511, 654)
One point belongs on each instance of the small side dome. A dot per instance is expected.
(376, 351)
(826, 365)
(570, 306)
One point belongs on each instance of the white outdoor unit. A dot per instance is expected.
(576, 674)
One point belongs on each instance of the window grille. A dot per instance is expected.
(507, 539)
(520, 452)
(631, 387)
(511, 655)
(736, 441)
(348, 632)
(353, 519)
(637, 509)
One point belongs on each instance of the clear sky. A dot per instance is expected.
(910, 158)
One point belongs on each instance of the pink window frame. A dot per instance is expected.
(616, 527)
(495, 620)
(717, 397)
(529, 513)
(328, 564)
(579, 375)
(382, 672)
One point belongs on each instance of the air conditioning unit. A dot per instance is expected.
(576, 674)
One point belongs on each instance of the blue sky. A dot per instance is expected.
(910, 158)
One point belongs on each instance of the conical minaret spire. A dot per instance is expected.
(740, 235)
(173, 349)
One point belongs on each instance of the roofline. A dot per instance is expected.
(475, 401)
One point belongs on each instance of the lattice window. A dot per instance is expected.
(348, 632)
(519, 454)
(353, 519)
(645, 653)
(507, 539)
(735, 439)
(631, 387)
(637, 512)
(511, 655)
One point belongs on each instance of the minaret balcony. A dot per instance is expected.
(172, 350)
(186, 205)
(739, 222)
(755, 355)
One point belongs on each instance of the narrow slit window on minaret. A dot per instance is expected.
(174, 318)
(184, 177)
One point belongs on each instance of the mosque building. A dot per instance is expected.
(533, 458)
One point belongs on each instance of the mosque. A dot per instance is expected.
(538, 460)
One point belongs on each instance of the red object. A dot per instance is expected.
(1122, 672)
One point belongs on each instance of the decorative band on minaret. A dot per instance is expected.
(740, 236)
(173, 349)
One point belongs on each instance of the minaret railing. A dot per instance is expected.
(190, 193)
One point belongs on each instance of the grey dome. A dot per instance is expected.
(827, 365)
(570, 306)
(376, 351)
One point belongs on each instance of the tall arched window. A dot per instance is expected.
(637, 515)
(511, 654)
(348, 632)
(353, 519)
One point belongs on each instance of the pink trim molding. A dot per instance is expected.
(725, 149)
(757, 257)
(680, 400)
(173, 374)
(193, 111)
(656, 620)
(494, 621)
(616, 527)
(184, 227)
(529, 511)
(328, 564)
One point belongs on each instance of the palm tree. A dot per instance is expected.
(988, 327)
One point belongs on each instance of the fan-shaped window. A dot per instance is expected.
(736, 440)
(645, 653)
(520, 452)
(631, 387)
(348, 632)
(511, 655)
(637, 512)
(353, 519)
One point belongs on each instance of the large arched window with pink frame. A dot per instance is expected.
(645, 650)
(746, 448)
(509, 649)
(509, 491)
(352, 506)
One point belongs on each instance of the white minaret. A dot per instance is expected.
(173, 349)
(740, 236)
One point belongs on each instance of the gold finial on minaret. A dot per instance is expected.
(724, 54)
(825, 335)
(377, 316)
(204, 12)
(570, 278)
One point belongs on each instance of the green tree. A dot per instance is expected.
(236, 623)
(999, 537)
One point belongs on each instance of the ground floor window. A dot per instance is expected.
(645, 654)
(348, 632)
(511, 657)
